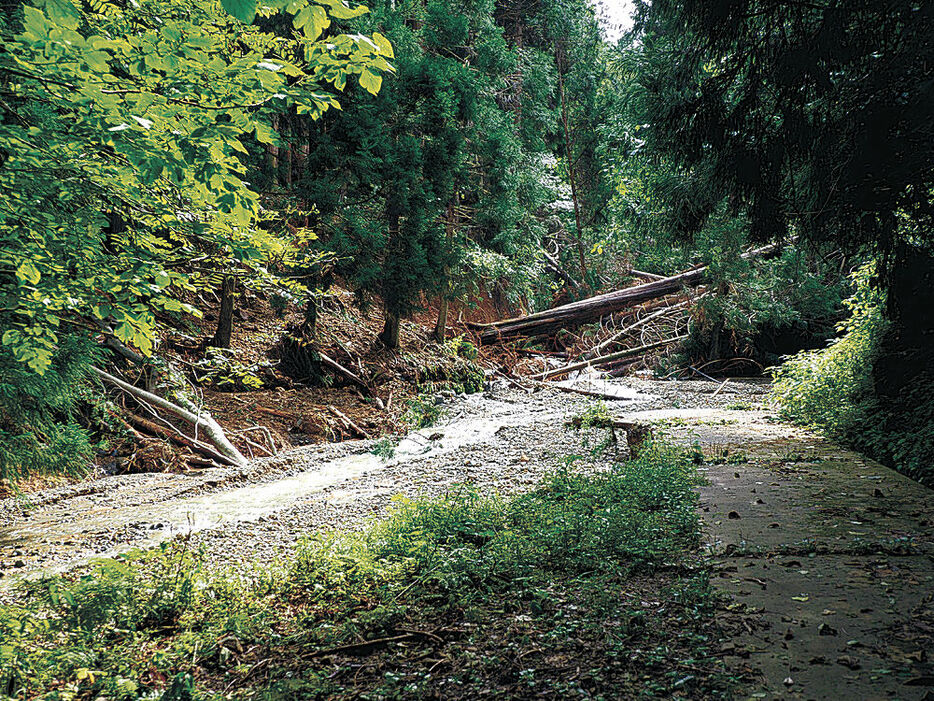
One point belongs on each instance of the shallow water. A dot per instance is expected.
(126, 515)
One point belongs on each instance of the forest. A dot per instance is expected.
(491, 349)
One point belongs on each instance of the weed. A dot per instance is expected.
(159, 623)
(422, 412)
(385, 448)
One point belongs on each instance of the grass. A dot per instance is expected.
(587, 586)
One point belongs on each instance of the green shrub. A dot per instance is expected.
(159, 625)
(832, 391)
(39, 433)
(221, 370)
(421, 412)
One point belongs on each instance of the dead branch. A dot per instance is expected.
(644, 275)
(212, 429)
(341, 370)
(347, 422)
(603, 360)
(597, 349)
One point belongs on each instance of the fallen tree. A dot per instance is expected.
(603, 360)
(616, 337)
(198, 419)
(590, 309)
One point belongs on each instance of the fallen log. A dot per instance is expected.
(603, 360)
(199, 419)
(341, 370)
(577, 390)
(644, 275)
(637, 432)
(592, 308)
(347, 422)
(165, 433)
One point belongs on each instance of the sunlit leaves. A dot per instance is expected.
(127, 154)
(370, 81)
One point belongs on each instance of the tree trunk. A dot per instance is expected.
(588, 310)
(225, 317)
(310, 327)
(390, 333)
(442, 323)
(272, 156)
(569, 157)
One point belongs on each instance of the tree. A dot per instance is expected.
(812, 117)
(122, 173)
(418, 179)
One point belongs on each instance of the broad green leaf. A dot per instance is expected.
(370, 82)
(385, 47)
(28, 272)
(243, 10)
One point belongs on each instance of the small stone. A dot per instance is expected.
(19, 563)
(824, 629)
(733, 515)
(788, 681)
(848, 661)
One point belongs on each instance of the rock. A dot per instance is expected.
(824, 629)
(848, 661)
(733, 515)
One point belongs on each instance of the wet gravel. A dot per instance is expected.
(523, 437)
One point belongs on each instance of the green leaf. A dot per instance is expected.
(243, 10)
(371, 82)
(28, 272)
(385, 47)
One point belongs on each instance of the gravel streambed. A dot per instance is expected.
(504, 440)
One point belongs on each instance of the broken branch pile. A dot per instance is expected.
(593, 308)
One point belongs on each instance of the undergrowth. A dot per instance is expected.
(40, 431)
(831, 390)
(450, 577)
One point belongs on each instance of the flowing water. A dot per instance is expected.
(113, 515)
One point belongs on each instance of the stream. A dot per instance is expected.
(504, 442)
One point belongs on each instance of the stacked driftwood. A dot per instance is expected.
(633, 322)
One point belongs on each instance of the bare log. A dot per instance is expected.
(644, 275)
(575, 390)
(178, 438)
(592, 308)
(603, 360)
(341, 370)
(200, 419)
(637, 432)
